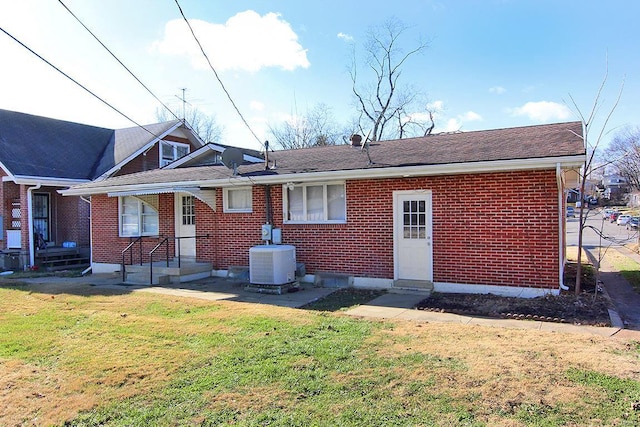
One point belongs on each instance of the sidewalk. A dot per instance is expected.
(625, 299)
(399, 306)
(388, 306)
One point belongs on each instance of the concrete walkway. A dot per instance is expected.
(625, 299)
(388, 306)
(398, 306)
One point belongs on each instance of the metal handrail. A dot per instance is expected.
(166, 240)
(130, 246)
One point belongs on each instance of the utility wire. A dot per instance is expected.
(116, 58)
(79, 84)
(216, 73)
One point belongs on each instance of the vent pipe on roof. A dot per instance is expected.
(266, 155)
(356, 140)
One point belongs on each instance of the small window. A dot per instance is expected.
(238, 199)
(188, 210)
(137, 218)
(315, 203)
(172, 151)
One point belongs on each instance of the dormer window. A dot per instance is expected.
(172, 151)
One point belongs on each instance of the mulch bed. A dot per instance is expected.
(584, 309)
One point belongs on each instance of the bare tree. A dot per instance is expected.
(384, 106)
(591, 144)
(624, 154)
(205, 126)
(315, 128)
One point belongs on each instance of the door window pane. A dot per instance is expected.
(414, 219)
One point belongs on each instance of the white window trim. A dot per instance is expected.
(174, 145)
(225, 200)
(140, 203)
(285, 203)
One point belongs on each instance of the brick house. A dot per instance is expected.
(40, 156)
(466, 212)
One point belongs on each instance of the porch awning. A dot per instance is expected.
(205, 195)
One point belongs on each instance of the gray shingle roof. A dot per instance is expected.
(40, 146)
(37, 146)
(531, 142)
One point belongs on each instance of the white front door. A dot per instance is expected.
(185, 226)
(413, 253)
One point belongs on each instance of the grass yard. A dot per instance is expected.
(134, 359)
(629, 269)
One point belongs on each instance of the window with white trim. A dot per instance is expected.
(172, 151)
(238, 199)
(137, 218)
(315, 203)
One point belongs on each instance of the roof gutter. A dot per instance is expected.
(566, 162)
(52, 182)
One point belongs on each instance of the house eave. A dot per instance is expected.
(46, 181)
(141, 150)
(565, 162)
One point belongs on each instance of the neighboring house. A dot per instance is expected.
(40, 156)
(476, 212)
(634, 199)
(615, 187)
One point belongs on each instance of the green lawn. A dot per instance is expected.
(135, 359)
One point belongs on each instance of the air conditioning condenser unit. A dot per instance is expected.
(272, 264)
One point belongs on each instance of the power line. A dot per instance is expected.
(216, 74)
(78, 83)
(116, 58)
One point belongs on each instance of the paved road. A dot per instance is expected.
(591, 239)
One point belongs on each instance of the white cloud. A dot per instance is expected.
(453, 125)
(498, 90)
(435, 106)
(345, 37)
(256, 106)
(247, 41)
(543, 111)
(470, 116)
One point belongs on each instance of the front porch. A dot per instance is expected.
(49, 259)
(163, 273)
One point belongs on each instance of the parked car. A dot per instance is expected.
(633, 223)
(606, 214)
(571, 213)
(614, 216)
(623, 219)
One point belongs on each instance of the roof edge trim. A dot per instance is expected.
(566, 162)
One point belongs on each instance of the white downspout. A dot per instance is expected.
(88, 269)
(561, 219)
(32, 251)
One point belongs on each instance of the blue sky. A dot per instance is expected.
(490, 63)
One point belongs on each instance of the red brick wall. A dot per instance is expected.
(492, 229)
(70, 220)
(107, 245)
(10, 191)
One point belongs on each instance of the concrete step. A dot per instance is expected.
(187, 272)
(142, 278)
(426, 285)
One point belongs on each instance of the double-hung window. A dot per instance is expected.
(172, 151)
(237, 199)
(315, 203)
(137, 218)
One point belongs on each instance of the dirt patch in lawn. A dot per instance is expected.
(583, 309)
(588, 308)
